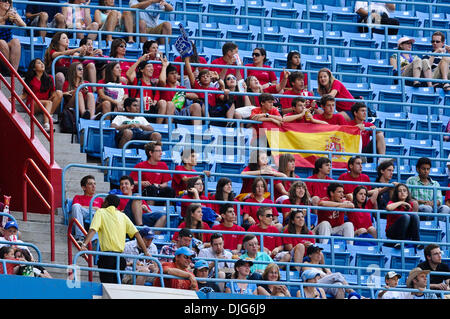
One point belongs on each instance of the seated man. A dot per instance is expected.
(44, 17)
(354, 174)
(359, 111)
(230, 52)
(254, 253)
(327, 102)
(318, 190)
(184, 240)
(154, 184)
(138, 210)
(300, 114)
(80, 204)
(424, 196)
(149, 19)
(133, 127)
(379, 14)
(297, 82)
(440, 65)
(232, 242)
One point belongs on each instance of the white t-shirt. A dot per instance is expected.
(131, 248)
(149, 16)
(209, 253)
(379, 8)
(121, 119)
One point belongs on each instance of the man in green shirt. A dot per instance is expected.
(253, 253)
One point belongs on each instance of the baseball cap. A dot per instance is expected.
(184, 251)
(310, 274)
(312, 249)
(185, 232)
(405, 39)
(146, 233)
(201, 264)
(242, 262)
(392, 274)
(10, 224)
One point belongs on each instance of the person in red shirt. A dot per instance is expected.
(80, 203)
(229, 51)
(293, 62)
(362, 221)
(154, 184)
(265, 113)
(224, 192)
(232, 242)
(194, 58)
(195, 189)
(119, 50)
(354, 174)
(300, 113)
(194, 220)
(328, 85)
(298, 195)
(332, 222)
(359, 111)
(272, 244)
(111, 99)
(7, 253)
(189, 161)
(297, 84)
(151, 48)
(286, 165)
(318, 190)
(253, 85)
(327, 102)
(42, 85)
(266, 78)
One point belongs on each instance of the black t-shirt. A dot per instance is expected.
(209, 284)
(436, 279)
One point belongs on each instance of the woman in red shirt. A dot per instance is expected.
(193, 220)
(293, 62)
(111, 99)
(42, 85)
(119, 51)
(362, 221)
(195, 189)
(402, 226)
(298, 195)
(224, 192)
(266, 78)
(286, 165)
(86, 99)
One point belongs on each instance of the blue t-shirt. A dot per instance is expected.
(233, 286)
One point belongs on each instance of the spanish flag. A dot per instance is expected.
(314, 137)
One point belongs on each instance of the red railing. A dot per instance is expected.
(29, 110)
(71, 240)
(50, 206)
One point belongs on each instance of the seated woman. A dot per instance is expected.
(9, 46)
(93, 68)
(310, 292)
(241, 272)
(258, 195)
(362, 221)
(86, 99)
(266, 78)
(111, 99)
(119, 51)
(402, 226)
(294, 62)
(411, 66)
(226, 108)
(41, 84)
(254, 86)
(188, 162)
(272, 273)
(224, 192)
(298, 195)
(287, 167)
(83, 19)
(193, 220)
(195, 189)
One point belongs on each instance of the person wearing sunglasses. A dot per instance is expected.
(266, 78)
(119, 50)
(226, 108)
(9, 46)
(439, 64)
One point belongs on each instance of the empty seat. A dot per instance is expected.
(315, 62)
(196, 7)
(380, 68)
(361, 40)
(256, 11)
(393, 146)
(331, 38)
(423, 95)
(342, 14)
(286, 15)
(348, 65)
(297, 37)
(225, 9)
(388, 93)
(315, 13)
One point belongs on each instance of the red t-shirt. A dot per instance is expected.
(365, 135)
(125, 66)
(9, 267)
(212, 98)
(270, 89)
(302, 120)
(286, 184)
(342, 93)
(270, 242)
(124, 201)
(156, 70)
(65, 87)
(392, 218)
(286, 102)
(152, 177)
(154, 95)
(361, 219)
(64, 62)
(336, 119)
(247, 182)
(35, 86)
(294, 241)
(184, 205)
(317, 188)
(348, 188)
(221, 61)
(216, 207)
(262, 75)
(168, 95)
(258, 110)
(252, 209)
(205, 226)
(231, 241)
(173, 282)
(177, 183)
(335, 218)
(84, 200)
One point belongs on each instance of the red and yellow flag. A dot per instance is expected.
(314, 137)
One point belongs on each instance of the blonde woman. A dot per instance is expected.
(272, 273)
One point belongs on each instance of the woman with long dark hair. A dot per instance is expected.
(385, 172)
(286, 166)
(10, 46)
(266, 78)
(119, 51)
(194, 220)
(298, 195)
(111, 99)
(224, 192)
(362, 221)
(195, 189)
(293, 62)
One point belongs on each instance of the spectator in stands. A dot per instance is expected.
(42, 85)
(266, 78)
(93, 68)
(287, 167)
(144, 266)
(293, 62)
(418, 279)
(297, 246)
(193, 220)
(44, 17)
(258, 195)
(176, 100)
(272, 273)
(439, 64)
(327, 102)
(332, 222)
(232, 242)
(7, 252)
(311, 292)
(380, 14)
(402, 226)
(37, 271)
(119, 51)
(149, 18)
(112, 227)
(385, 171)
(318, 190)
(58, 46)
(81, 17)
(354, 174)
(151, 48)
(184, 240)
(253, 252)
(9, 46)
(240, 104)
(188, 161)
(298, 195)
(328, 85)
(391, 279)
(359, 111)
(272, 244)
(86, 99)
(154, 184)
(111, 99)
(362, 221)
(140, 74)
(300, 113)
(224, 192)
(411, 66)
(138, 210)
(113, 20)
(425, 197)
(433, 262)
(195, 190)
(254, 86)
(180, 268)
(194, 58)
(226, 108)
(201, 270)
(230, 56)
(80, 204)
(241, 272)
(297, 87)
(11, 234)
(132, 127)
(265, 113)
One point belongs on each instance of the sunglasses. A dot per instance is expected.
(435, 41)
(230, 78)
(79, 69)
(256, 54)
(120, 46)
(187, 257)
(4, 1)
(269, 215)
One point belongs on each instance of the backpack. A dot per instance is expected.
(67, 121)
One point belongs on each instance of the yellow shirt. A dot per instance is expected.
(112, 227)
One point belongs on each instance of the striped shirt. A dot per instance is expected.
(422, 193)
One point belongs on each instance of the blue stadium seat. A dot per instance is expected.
(377, 67)
(90, 133)
(224, 166)
(361, 40)
(214, 34)
(315, 62)
(116, 160)
(303, 172)
(360, 89)
(273, 37)
(342, 14)
(333, 38)
(442, 9)
(197, 7)
(419, 148)
(388, 93)
(406, 18)
(423, 95)
(369, 259)
(229, 9)
(284, 13)
(399, 124)
(341, 258)
(315, 13)
(348, 65)
(439, 174)
(393, 146)
(257, 11)
(297, 37)
(420, 123)
(431, 234)
(370, 169)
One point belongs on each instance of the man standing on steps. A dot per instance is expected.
(112, 227)
(80, 204)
